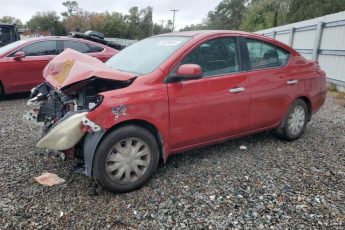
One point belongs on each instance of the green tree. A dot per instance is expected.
(159, 29)
(263, 14)
(227, 15)
(307, 9)
(11, 20)
(114, 25)
(146, 23)
(46, 21)
(133, 19)
(194, 27)
(72, 8)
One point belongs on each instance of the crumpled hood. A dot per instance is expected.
(71, 66)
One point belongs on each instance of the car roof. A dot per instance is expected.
(195, 33)
(206, 33)
(7, 25)
(54, 38)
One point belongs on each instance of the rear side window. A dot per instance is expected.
(216, 57)
(41, 49)
(78, 46)
(265, 55)
(95, 49)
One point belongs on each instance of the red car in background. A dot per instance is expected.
(22, 62)
(170, 93)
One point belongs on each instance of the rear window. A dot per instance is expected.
(82, 47)
(265, 55)
(95, 49)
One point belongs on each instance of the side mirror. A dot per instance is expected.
(187, 72)
(19, 55)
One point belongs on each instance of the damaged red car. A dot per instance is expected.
(170, 93)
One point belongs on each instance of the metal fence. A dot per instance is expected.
(321, 39)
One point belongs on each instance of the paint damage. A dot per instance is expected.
(120, 110)
(72, 89)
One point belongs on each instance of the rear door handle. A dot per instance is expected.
(237, 90)
(292, 82)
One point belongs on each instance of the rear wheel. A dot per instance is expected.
(126, 159)
(295, 121)
(1, 90)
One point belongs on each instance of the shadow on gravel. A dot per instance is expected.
(15, 96)
(221, 149)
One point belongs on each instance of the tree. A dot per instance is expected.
(146, 23)
(114, 25)
(307, 9)
(194, 27)
(72, 8)
(159, 29)
(46, 21)
(227, 15)
(133, 20)
(263, 14)
(11, 20)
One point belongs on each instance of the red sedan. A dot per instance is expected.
(22, 62)
(170, 93)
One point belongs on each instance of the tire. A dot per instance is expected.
(295, 121)
(126, 159)
(1, 91)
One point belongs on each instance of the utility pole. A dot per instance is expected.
(174, 11)
(162, 22)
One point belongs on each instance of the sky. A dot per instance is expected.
(190, 11)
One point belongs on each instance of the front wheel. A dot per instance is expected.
(295, 121)
(126, 159)
(1, 90)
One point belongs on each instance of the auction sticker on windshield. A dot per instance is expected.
(169, 43)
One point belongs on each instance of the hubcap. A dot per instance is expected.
(296, 120)
(128, 160)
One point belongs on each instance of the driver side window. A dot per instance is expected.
(216, 57)
(41, 49)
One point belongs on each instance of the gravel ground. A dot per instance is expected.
(272, 184)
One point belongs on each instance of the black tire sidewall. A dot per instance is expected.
(108, 142)
(286, 132)
(1, 90)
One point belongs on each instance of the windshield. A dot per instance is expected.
(146, 55)
(10, 46)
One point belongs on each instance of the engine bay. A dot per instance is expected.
(76, 98)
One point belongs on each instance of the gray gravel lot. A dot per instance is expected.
(272, 184)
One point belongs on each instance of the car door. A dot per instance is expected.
(272, 87)
(26, 72)
(215, 106)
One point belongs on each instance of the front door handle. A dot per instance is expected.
(237, 90)
(292, 82)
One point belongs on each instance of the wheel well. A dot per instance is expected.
(149, 127)
(307, 101)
